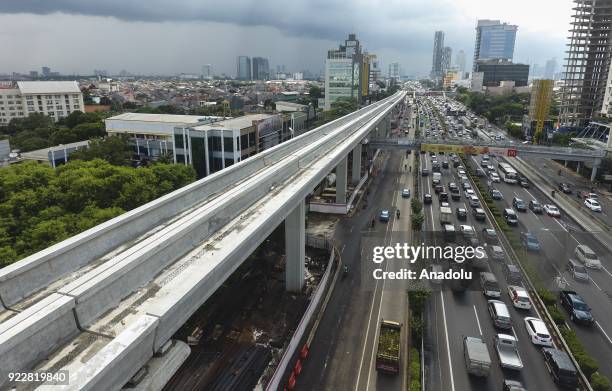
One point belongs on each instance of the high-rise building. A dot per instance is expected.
(243, 68)
(394, 70)
(494, 40)
(347, 72)
(606, 109)
(46, 71)
(587, 62)
(446, 59)
(460, 62)
(438, 53)
(550, 68)
(539, 106)
(56, 99)
(261, 69)
(207, 72)
(496, 71)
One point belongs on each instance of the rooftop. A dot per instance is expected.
(167, 118)
(48, 87)
(234, 123)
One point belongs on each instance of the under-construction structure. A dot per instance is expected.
(587, 62)
(539, 107)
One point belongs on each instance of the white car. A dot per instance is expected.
(538, 332)
(552, 210)
(587, 256)
(469, 193)
(592, 204)
(519, 297)
(495, 177)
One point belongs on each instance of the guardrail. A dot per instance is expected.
(560, 342)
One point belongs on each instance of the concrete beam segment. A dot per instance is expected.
(356, 169)
(117, 362)
(341, 180)
(33, 273)
(31, 335)
(295, 248)
(161, 369)
(213, 261)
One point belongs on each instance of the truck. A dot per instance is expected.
(476, 354)
(507, 351)
(446, 214)
(388, 352)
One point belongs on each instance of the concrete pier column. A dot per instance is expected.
(341, 181)
(565, 163)
(356, 169)
(594, 172)
(295, 248)
(578, 167)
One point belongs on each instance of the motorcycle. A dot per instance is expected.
(397, 213)
(344, 271)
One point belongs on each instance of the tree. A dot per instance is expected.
(314, 92)
(114, 149)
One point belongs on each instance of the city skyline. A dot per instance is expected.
(157, 38)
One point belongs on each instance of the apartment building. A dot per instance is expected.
(56, 99)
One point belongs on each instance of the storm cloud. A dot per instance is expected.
(401, 30)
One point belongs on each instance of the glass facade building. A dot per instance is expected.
(494, 40)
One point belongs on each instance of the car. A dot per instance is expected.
(469, 193)
(461, 171)
(592, 204)
(512, 385)
(585, 194)
(519, 204)
(384, 215)
(455, 195)
(479, 214)
(577, 271)
(510, 216)
(496, 252)
(432, 155)
(466, 185)
(427, 198)
(438, 188)
(535, 206)
(495, 177)
(467, 231)
(530, 241)
(424, 172)
(577, 308)
(480, 172)
(489, 234)
(490, 168)
(552, 210)
(565, 188)
(524, 182)
(452, 186)
(473, 201)
(499, 314)
(587, 256)
(461, 214)
(561, 368)
(484, 162)
(443, 196)
(406, 193)
(496, 194)
(519, 297)
(444, 204)
(538, 332)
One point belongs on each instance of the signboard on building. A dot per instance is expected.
(268, 130)
(468, 149)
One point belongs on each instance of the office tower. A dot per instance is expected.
(394, 70)
(347, 72)
(446, 59)
(207, 72)
(496, 71)
(261, 69)
(438, 53)
(550, 69)
(46, 71)
(494, 40)
(587, 62)
(243, 68)
(460, 62)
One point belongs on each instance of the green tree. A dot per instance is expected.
(114, 149)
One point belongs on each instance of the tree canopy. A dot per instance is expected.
(40, 205)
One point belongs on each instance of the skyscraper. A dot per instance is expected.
(207, 72)
(438, 53)
(446, 58)
(494, 40)
(261, 68)
(243, 68)
(394, 70)
(550, 68)
(460, 62)
(587, 62)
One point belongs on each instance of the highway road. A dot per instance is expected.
(453, 315)
(342, 355)
(559, 238)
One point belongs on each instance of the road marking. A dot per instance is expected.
(352, 228)
(514, 333)
(477, 321)
(607, 271)
(529, 193)
(450, 363)
(594, 283)
(343, 247)
(604, 333)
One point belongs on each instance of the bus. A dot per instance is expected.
(508, 174)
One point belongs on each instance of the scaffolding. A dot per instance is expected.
(587, 61)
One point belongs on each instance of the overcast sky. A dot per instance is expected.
(178, 36)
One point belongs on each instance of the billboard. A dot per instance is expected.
(468, 149)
